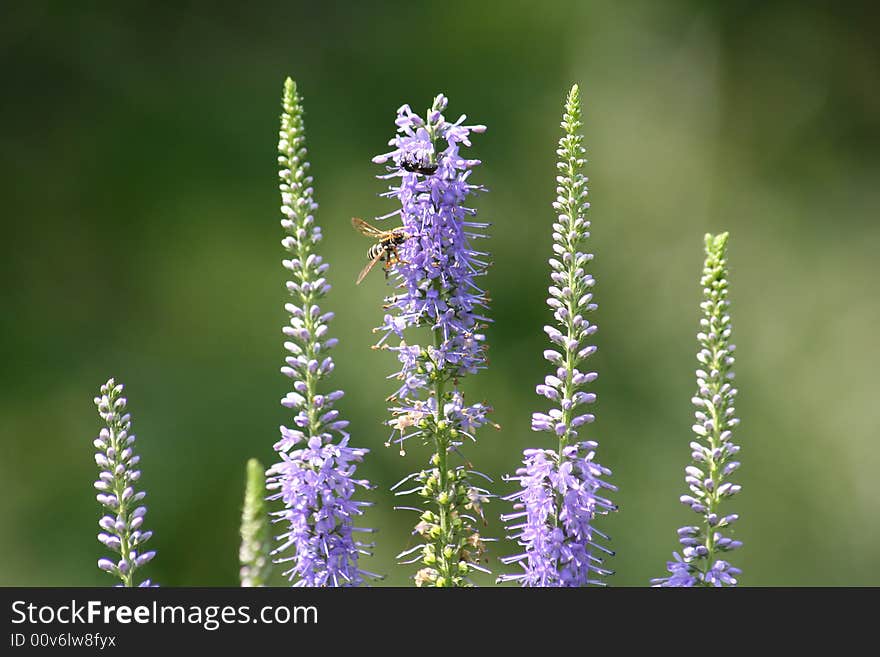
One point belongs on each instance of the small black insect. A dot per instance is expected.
(414, 166)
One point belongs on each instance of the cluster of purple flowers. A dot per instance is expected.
(437, 288)
(315, 477)
(561, 489)
(439, 266)
(122, 525)
(434, 324)
(713, 451)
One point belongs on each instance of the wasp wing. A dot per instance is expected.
(368, 267)
(364, 228)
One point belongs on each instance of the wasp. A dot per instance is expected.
(414, 166)
(385, 247)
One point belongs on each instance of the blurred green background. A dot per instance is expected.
(141, 240)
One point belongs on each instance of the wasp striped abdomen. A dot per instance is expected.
(384, 249)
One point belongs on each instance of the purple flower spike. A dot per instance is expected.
(315, 477)
(437, 275)
(122, 525)
(712, 451)
(439, 266)
(562, 490)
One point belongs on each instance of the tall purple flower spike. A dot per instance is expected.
(440, 268)
(713, 452)
(315, 477)
(437, 290)
(561, 489)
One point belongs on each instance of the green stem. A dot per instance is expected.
(570, 354)
(440, 444)
(714, 443)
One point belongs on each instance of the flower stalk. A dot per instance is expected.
(561, 488)
(713, 451)
(437, 292)
(315, 475)
(256, 564)
(122, 525)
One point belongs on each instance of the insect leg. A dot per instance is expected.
(397, 258)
